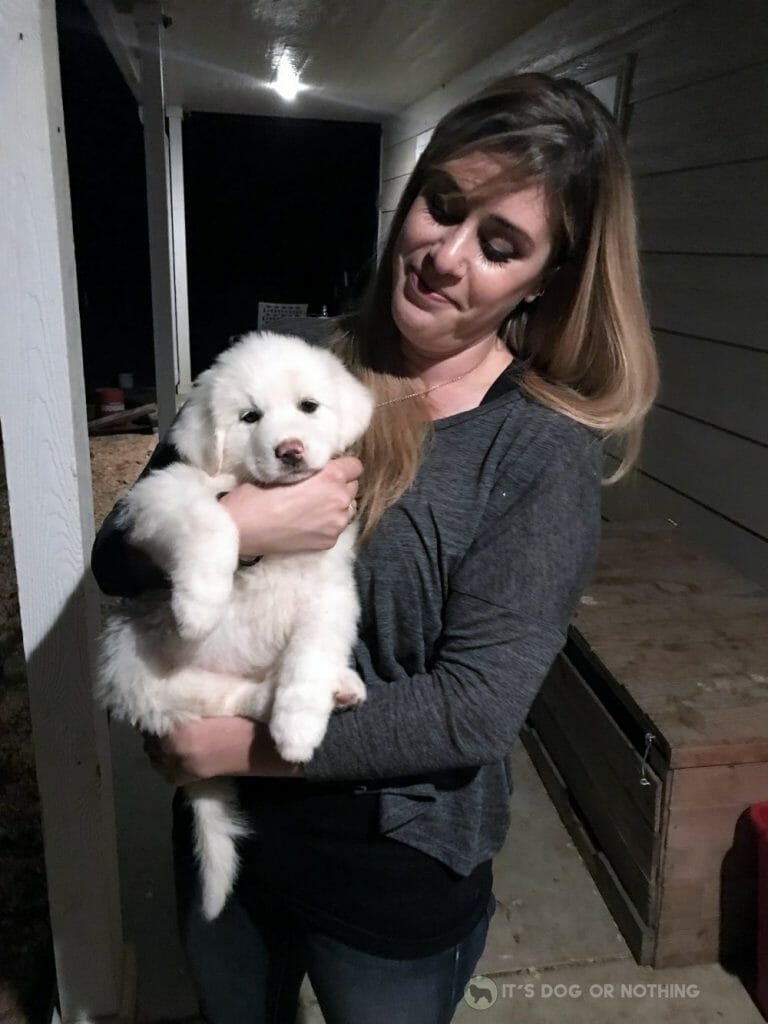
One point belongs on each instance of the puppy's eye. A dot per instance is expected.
(252, 416)
(308, 405)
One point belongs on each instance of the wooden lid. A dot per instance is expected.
(683, 638)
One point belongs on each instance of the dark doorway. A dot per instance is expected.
(278, 210)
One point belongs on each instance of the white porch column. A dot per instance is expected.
(179, 247)
(149, 25)
(42, 412)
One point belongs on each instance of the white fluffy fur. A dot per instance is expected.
(272, 641)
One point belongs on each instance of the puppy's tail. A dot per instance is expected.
(218, 826)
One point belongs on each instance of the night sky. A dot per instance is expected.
(278, 209)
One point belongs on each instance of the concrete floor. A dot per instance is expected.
(553, 950)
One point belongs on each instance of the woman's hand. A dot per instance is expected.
(208, 747)
(308, 516)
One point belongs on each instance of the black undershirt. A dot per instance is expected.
(315, 851)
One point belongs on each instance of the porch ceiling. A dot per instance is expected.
(363, 59)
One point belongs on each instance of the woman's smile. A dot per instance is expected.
(421, 291)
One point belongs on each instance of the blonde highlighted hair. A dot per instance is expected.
(584, 345)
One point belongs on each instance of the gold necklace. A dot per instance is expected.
(426, 391)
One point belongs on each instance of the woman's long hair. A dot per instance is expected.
(584, 345)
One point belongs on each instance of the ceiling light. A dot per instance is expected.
(286, 83)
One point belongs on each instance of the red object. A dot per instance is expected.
(758, 814)
(110, 400)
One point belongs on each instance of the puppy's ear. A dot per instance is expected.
(355, 409)
(198, 438)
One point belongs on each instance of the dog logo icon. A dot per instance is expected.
(480, 992)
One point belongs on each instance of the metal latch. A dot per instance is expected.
(649, 739)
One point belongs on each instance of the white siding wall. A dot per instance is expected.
(698, 107)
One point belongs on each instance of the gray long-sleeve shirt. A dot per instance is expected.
(467, 588)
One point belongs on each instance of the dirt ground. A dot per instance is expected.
(25, 945)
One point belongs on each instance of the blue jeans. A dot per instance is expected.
(248, 966)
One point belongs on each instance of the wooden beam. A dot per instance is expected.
(42, 411)
(125, 417)
(149, 25)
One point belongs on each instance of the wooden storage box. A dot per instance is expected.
(651, 735)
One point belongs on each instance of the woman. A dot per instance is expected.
(504, 335)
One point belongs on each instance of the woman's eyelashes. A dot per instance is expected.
(493, 255)
(447, 210)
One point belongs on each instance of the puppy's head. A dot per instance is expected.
(272, 409)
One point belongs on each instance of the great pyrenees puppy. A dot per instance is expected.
(271, 641)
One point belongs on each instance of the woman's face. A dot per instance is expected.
(461, 263)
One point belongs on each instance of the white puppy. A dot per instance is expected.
(271, 641)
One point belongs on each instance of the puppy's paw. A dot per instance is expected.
(297, 733)
(195, 618)
(350, 689)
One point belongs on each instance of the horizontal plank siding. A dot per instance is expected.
(719, 470)
(714, 122)
(720, 209)
(399, 159)
(578, 28)
(391, 191)
(698, 42)
(719, 297)
(722, 384)
(694, 43)
(640, 496)
(385, 221)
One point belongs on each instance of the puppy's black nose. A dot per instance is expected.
(291, 452)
